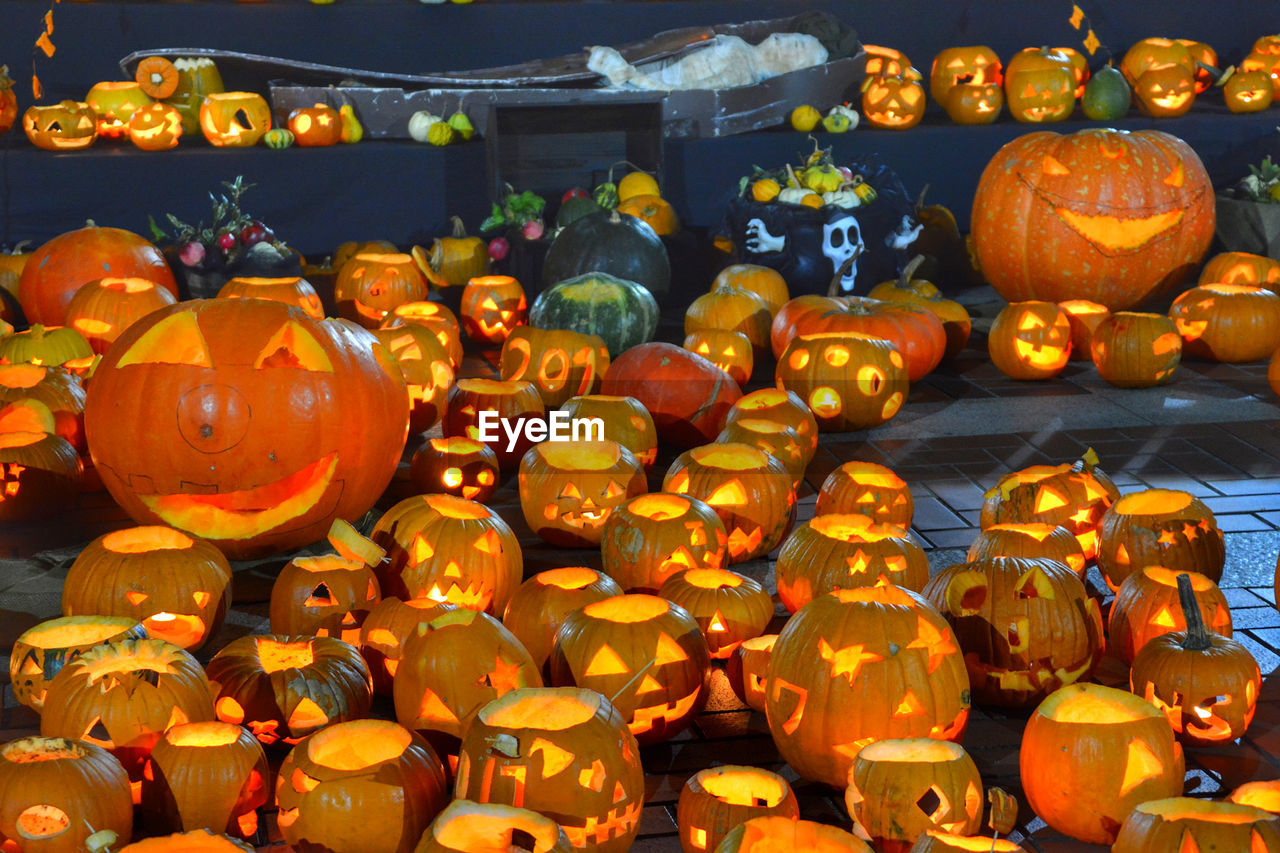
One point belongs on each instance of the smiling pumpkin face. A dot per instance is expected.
(227, 419)
(1103, 215)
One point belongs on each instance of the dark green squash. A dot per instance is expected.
(1106, 95)
(574, 209)
(620, 311)
(623, 246)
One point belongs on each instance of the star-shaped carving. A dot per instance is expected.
(935, 640)
(504, 677)
(847, 661)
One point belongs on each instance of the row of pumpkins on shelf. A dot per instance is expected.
(304, 684)
(1161, 76)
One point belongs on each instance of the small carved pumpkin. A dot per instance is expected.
(234, 119)
(781, 406)
(67, 126)
(40, 470)
(717, 799)
(1165, 92)
(384, 632)
(101, 310)
(324, 596)
(1075, 496)
(316, 126)
(1040, 85)
(370, 286)
(728, 350)
(1190, 824)
(538, 608)
(1030, 340)
(651, 537)
(954, 66)
(504, 405)
(436, 317)
(849, 380)
(1248, 91)
(155, 127)
(55, 387)
(778, 440)
(836, 551)
(568, 489)
(456, 466)
(115, 102)
(1241, 268)
(1228, 322)
(492, 306)
(974, 103)
(892, 102)
(1159, 527)
(1029, 539)
(746, 669)
(865, 488)
(1133, 349)
(290, 290)
(465, 826)
(1084, 316)
(727, 606)
(428, 373)
(42, 651)
(1147, 606)
(624, 419)
(732, 309)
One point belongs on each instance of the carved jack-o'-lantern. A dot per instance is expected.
(1108, 216)
(1084, 317)
(865, 488)
(114, 102)
(567, 490)
(901, 788)
(646, 653)
(493, 305)
(727, 606)
(315, 126)
(1030, 340)
(1155, 53)
(650, 538)
(41, 652)
(565, 753)
(849, 380)
(57, 792)
(749, 489)
(625, 421)
(717, 799)
(837, 551)
(1133, 349)
(234, 119)
(210, 775)
(488, 410)
(746, 669)
(325, 596)
(728, 350)
(195, 841)
(434, 316)
(370, 285)
(67, 126)
(1026, 626)
(1159, 527)
(540, 605)
(892, 103)
(428, 373)
(176, 586)
(284, 688)
(878, 659)
(55, 387)
(384, 632)
(1265, 62)
(1228, 322)
(1241, 268)
(559, 362)
(1191, 824)
(218, 379)
(888, 60)
(1261, 794)
(391, 775)
(1248, 91)
(39, 470)
(1165, 92)
(290, 290)
(764, 834)
(155, 127)
(1029, 539)
(448, 549)
(101, 310)
(733, 309)
(1147, 606)
(778, 440)
(954, 66)
(465, 826)
(1090, 754)
(1075, 496)
(457, 466)
(1040, 85)
(974, 103)
(122, 696)
(454, 664)
(937, 841)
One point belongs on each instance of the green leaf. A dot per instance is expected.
(157, 234)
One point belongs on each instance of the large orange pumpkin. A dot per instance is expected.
(688, 396)
(62, 266)
(1104, 215)
(246, 409)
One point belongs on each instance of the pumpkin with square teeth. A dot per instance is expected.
(248, 402)
(567, 490)
(42, 651)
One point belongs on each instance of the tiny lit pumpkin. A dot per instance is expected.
(836, 551)
(780, 406)
(715, 800)
(732, 309)
(563, 752)
(1241, 268)
(901, 788)
(324, 596)
(954, 66)
(849, 380)
(42, 651)
(1029, 539)
(208, 775)
(155, 127)
(1074, 495)
(1040, 85)
(1026, 626)
(974, 103)
(101, 310)
(1084, 316)
(390, 775)
(936, 841)
(751, 492)
(1268, 62)
(178, 587)
(66, 126)
(122, 696)
(646, 653)
(1248, 91)
(1165, 92)
(114, 102)
(1263, 794)
(1079, 68)
(892, 102)
(727, 606)
(1159, 527)
(40, 471)
(1228, 322)
(284, 688)
(559, 362)
(290, 290)
(865, 488)
(234, 119)
(534, 614)
(568, 489)
(465, 826)
(428, 373)
(315, 126)
(57, 792)
(765, 834)
(1132, 349)
(887, 60)
(1030, 340)
(506, 404)
(728, 350)
(878, 659)
(370, 285)
(492, 306)
(436, 317)
(1147, 606)
(1206, 62)
(651, 537)
(625, 421)
(745, 669)
(448, 549)
(1154, 53)
(457, 466)
(1206, 684)
(1090, 754)
(1192, 825)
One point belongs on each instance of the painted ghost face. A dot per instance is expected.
(842, 243)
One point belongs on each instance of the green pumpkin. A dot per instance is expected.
(620, 311)
(574, 209)
(608, 241)
(278, 138)
(1106, 96)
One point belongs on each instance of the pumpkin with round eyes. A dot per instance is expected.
(178, 587)
(315, 126)
(155, 127)
(458, 466)
(1165, 92)
(955, 66)
(892, 103)
(1110, 216)
(370, 285)
(568, 490)
(1040, 85)
(625, 421)
(849, 380)
(253, 461)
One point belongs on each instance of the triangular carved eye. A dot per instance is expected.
(174, 340)
(293, 346)
(96, 733)
(1053, 166)
(613, 490)
(30, 666)
(320, 597)
(570, 491)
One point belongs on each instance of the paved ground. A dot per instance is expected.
(1211, 431)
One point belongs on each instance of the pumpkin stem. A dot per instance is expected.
(834, 288)
(792, 180)
(1197, 638)
(614, 216)
(459, 230)
(904, 278)
(632, 166)
(920, 199)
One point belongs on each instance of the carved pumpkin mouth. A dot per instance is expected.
(246, 513)
(586, 518)
(1041, 113)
